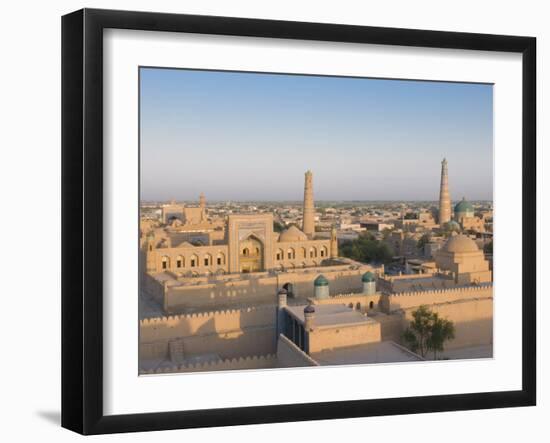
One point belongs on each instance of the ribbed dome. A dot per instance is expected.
(367, 277)
(464, 206)
(321, 281)
(292, 234)
(460, 243)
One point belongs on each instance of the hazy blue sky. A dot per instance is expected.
(244, 136)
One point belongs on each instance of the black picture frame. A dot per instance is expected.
(82, 218)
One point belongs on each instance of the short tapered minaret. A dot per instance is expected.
(444, 197)
(308, 224)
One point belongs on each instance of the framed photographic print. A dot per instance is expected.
(310, 220)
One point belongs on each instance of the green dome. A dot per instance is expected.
(367, 277)
(464, 206)
(321, 281)
(452, 226)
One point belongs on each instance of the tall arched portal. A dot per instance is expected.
(251, 255)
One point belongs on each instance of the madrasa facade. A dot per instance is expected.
(192, 262)
(249, 243)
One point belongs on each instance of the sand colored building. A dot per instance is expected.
(186, 215)
(462, 259)
(247, 243)
(465, 216)
(403, 243)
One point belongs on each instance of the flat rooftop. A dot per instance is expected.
(381, 352)
(331, 315)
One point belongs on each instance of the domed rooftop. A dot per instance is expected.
(460, 243)
(321, 281)
(367, 277)
(292, 234)
(452, 225)
(464, 206)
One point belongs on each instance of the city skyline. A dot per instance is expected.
(318, 202)
(365, 139)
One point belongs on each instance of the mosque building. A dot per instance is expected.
(464, 215)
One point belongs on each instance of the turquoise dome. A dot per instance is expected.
(452, 226)
(367, 277)
(464, 206)
(321, 281)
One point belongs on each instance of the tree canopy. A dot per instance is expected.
(427, 332)
(278, 227)
(366, 249)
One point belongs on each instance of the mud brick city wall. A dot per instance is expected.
(237, 363)
(470, 309)
(226, 333)
(254, 290)
(405, 300)
(344, 336)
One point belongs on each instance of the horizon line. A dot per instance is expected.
(316, 201)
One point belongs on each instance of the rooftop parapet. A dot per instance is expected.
(248, 362)
(469, 288)
(202, 315)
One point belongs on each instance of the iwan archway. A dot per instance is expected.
(251, 255)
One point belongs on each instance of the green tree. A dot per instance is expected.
(418, 332)
(428, 332)
(366, 249)
(278, 227)
(441, 331)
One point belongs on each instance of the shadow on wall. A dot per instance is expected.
(184, 325)
(230, 334)
(257, 340)
(220, 296)
(253, 290)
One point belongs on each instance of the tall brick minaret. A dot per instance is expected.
(333, 242)
(308, 224)
(444, 197)
(202, 205)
